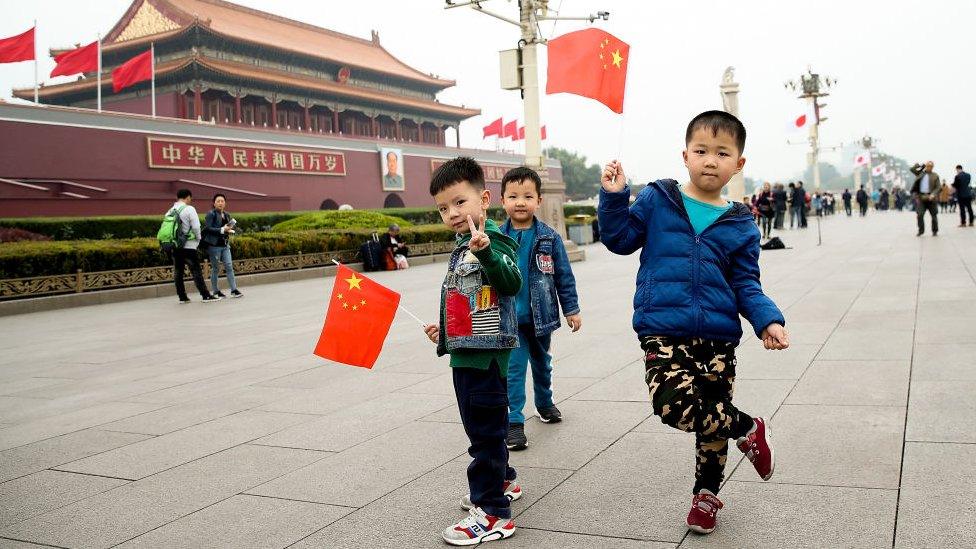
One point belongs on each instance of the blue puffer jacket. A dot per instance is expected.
(688, 285)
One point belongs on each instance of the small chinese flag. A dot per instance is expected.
(133, 71)
(521, 133)
(359, 318)
(591, 63)
(83, 59)
(544, 133)
(17, 48)
(495, 128)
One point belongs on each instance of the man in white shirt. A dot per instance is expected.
(926, 191)
(185, 253)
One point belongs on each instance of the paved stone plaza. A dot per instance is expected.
(128, 424)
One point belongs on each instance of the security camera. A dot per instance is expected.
(603, 15)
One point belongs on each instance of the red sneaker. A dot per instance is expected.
(756, 447)
(704, 507)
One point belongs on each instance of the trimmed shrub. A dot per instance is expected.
(576, 209)
(353, 219)
(24, 259)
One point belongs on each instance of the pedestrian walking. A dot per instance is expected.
(862, 201)
(964, 194)
(218, 225)
(927, 190)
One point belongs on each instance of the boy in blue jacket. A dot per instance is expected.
(699, 270)
(546, 275)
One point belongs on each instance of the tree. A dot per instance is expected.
(582, 181)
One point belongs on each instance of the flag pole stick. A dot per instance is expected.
(99, 72)
(35, 63)
(401, 307)
(152, 54)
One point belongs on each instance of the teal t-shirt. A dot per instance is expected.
(702, 214)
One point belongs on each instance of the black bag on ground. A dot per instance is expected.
(372, 254)
(773, 243)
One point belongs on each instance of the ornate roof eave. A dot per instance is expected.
(263, 75)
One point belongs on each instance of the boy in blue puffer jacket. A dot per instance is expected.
(699, 270)
(547, 283)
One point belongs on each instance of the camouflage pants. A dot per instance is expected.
(690, 383)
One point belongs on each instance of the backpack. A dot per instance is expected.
(169, 230)
(774, 243)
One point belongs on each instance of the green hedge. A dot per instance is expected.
(24, 259)
(340, 220)
(130, 226)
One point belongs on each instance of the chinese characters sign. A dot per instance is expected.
(493, 173)
(234, 157)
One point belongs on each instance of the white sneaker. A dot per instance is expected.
(478, 527)
(512, 491)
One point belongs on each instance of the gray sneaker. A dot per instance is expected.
(512, 491)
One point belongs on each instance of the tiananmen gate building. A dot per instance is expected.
(274, 113)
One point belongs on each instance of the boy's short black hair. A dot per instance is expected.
(517, 175)
(718, 121)
(183, 193)
(456, 170)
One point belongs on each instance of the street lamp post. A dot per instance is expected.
(809, 85)
(531, 12)
(868, 143)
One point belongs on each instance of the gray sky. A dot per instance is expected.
(905, 69)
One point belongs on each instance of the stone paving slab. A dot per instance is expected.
(126, 512)
(52, 452)
(941, 411)
(44, 491)
(936, 506)
(33, 431)
(245, 522)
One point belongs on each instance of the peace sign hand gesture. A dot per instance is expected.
(479, 239)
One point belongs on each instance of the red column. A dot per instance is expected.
(399, 132)
(374, 128)
(237, 109)
(308, 120)
(420, 132)
(198, 102)
(335, 121)
(274, 113)
(182, 106)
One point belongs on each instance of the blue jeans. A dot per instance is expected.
(535, 351)
(217, 256)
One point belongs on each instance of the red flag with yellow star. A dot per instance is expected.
(359, 318)
(591, 63)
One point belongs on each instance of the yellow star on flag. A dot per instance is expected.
(617, 58)
(354, 282)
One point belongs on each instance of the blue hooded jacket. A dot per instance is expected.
(688, 285)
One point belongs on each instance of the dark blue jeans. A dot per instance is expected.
(482, 397)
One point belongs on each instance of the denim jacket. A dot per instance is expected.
(550, 278)
(478, 296)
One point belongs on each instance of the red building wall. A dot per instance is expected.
(117, 160)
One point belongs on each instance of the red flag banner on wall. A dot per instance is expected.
(358, 320)
(511, 130)
(83, 59)
(591, 63)
(521, 133)
(17, 48)
(543, 133)
(495, 128)
(135, 70)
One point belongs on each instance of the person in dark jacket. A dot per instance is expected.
(964, 193)
(862, 201)
(699, 270)
(926, 190)
(800, 205)
(846, 197)
(779, 205)
(391, 241)
(764, 205)
(217, 228)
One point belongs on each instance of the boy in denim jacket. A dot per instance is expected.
(699, 270)
(477, 328)
(546, 276)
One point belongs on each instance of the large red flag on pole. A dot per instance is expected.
(83, 59)
(591, 63)
(495, 128)
(20, 48)
(358, 320)
(17, 48)
(135, 70)
(511, 130)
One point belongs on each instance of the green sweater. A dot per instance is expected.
(504, 276)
